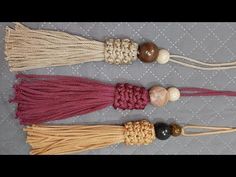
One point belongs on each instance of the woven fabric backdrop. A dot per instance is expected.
(210, 42)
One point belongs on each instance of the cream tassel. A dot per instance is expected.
(64, 139)
(30, 49)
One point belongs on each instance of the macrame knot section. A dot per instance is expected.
(139, 133)
(120, 51)
(130, 97)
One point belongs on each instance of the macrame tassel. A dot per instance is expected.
(42, 98)
(30, 49)
(64, 139)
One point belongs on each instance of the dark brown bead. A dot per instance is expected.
(175, 129)
(147, 52)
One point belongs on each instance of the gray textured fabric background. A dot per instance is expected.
(212, 42)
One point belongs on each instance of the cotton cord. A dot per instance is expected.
(192, 63)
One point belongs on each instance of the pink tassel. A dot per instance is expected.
(42, 98)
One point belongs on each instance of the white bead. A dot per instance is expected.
(163, 56)
(174, 94)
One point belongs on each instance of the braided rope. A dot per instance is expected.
(139, 133)
(120, 51)
(128, 96)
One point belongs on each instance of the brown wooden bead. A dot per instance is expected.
(175, 129)
(159, 96)
(147, 52)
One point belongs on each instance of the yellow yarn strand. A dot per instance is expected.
(46, 140)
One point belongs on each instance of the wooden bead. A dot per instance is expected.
(175, 129)
(147, 52)
(159, 96)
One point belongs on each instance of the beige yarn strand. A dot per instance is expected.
(30, 49)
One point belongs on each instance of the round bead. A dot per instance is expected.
(163, 56)
(175, 129)
(159, 96)
(174, 94)
(147, 52)
(162, 131)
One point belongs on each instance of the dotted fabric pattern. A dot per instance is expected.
(210, 42)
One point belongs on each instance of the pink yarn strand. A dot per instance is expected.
(42, 98)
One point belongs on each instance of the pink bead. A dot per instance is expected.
(159, 96)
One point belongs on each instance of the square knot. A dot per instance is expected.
(139, 133)
(120, 51)
(130, 97)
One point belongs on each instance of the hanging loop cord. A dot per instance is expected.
(192, 63)
(197, 130)
(191, 91)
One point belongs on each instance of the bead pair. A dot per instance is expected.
(149, 52)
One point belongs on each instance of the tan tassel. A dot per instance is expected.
(30, 49)
(65, 139)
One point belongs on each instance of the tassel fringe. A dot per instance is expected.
(65, 139)
(30, 49)
(43, 98)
